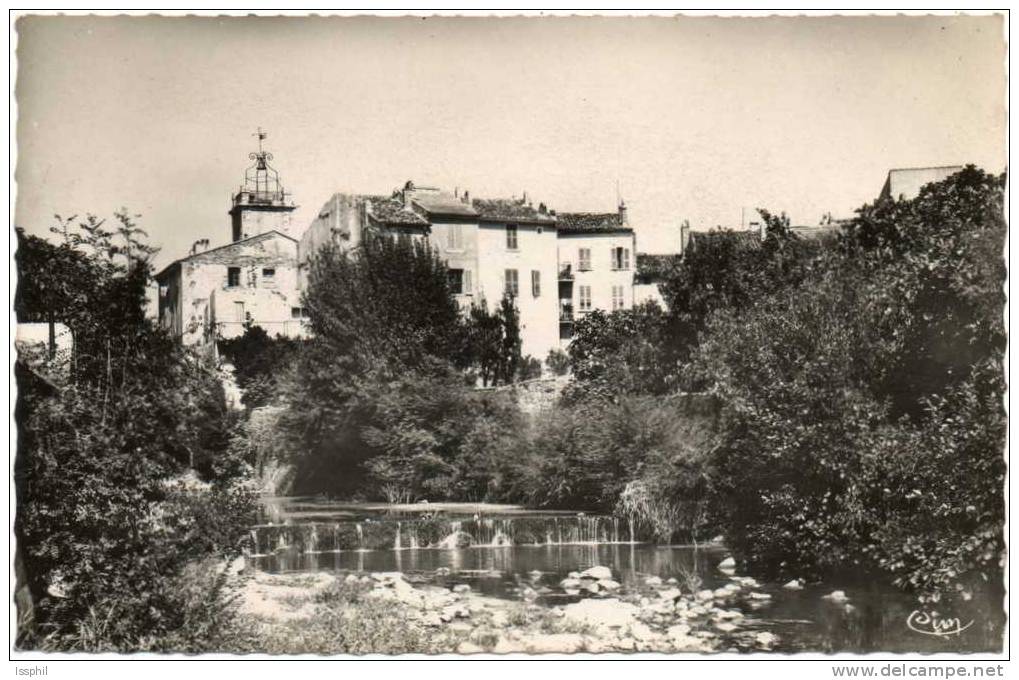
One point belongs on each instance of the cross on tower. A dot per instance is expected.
(261, 135)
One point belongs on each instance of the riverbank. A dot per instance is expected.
(396, 613)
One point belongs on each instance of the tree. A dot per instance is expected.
(495, 341)
(106, 525)
(626, 352)
(854, 395)
(379, 314)
(260, 363)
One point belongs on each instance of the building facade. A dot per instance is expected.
(556, 267)
(216, 293)
(596, 254)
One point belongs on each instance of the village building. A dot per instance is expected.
(596, 253)
(215, 293)
(556, 267)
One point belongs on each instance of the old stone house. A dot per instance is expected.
(215, 293)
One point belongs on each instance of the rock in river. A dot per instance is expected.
(597, 573)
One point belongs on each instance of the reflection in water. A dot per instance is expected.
(873, 619)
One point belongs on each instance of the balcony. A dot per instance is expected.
(565, 313)
(566, 272)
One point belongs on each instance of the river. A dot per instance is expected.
(504, 550)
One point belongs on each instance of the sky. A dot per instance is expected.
(691, 118)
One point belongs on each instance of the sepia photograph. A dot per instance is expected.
(503, 336)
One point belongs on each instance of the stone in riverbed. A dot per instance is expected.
(570, 583)
(765, 639)
(727, 563)
(609, 584)
(672, 581)
(597, 573)
(669, 594)
(653, 581)
(590, 586)
(836, 596)
(725, 626)
(461, 588)
(704, 595)
(609, 613)
(795, 584)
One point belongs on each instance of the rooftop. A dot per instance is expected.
(591, 223)
(907, 182)
(512, 210)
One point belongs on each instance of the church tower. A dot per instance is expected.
(260, 205)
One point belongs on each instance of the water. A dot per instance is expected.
(499, 550)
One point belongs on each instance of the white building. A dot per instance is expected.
(596, 253)
(556, 267)
(215, 293)
(491, 246)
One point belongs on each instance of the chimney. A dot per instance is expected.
(623, 217)
(408, 188)
(467, 196)
(523, 201)
(542, 208)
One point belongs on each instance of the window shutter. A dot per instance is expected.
(626, 258)
(467, 281)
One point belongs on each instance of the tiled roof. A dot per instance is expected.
(816, 231)
(590, 223)
(390, 210)
(510, 210)
(233, 244)
(742, 240)
(439, 203)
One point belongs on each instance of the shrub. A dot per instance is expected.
(558, 361)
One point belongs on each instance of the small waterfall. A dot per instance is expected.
(499, 540)
(311, 545)
(448, 533)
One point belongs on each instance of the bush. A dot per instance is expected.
(558, 361)
(594, 455)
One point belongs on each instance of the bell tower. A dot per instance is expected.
(261, 204)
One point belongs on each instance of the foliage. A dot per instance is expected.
(626, 352)
(259, 362)
(394, 417)
(558, 361)
(722, 270)
(105, 533)
(495, 341)
(853, 398)
(595, 454)
(530, 368)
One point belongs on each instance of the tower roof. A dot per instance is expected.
(262, 185)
